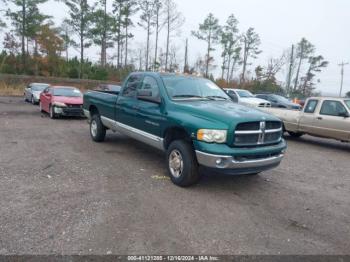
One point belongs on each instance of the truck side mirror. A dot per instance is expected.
(146, 95)
(344, 114)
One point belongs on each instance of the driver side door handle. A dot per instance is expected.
(319, 118)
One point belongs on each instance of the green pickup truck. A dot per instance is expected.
(192, 120)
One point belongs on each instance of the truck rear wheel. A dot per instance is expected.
(182, 164)
(97, 129)
(294, 134)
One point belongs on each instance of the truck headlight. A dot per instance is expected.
(212, 135)
(59, 104)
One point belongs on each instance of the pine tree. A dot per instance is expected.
(209, 31)
(303, 52)
(26, 20)
(80, 19)
(251, 42)
(102, 30)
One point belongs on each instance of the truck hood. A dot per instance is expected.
(68, 100)
(224, 111)
(253, 100)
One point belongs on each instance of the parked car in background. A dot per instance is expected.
(279, 101)
(192, 120)
(326, 117)
(245, 97)
(62, 101)
(109, 87)
(32, 92)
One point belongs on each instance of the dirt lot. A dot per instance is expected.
(62, 193)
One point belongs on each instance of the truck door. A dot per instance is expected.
(333, 120)
(307, 118)
(149, 113)
(126, 105)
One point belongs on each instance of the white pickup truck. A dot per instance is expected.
(326, 117)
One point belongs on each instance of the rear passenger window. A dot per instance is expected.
(131, 85)
(311, 106)
(332, 108)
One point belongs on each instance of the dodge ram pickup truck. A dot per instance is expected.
(326, 117)
(192, 120)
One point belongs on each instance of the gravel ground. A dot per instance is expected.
(61, 193)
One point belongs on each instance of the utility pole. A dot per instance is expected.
(342, 64)
(290, 69)
(186, 57)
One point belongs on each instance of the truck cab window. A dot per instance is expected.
(332, 108)
(311, 106)
(131, 86)
(149, 83)
(233, 95)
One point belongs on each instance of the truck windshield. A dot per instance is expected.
(244, 93)
(39, 87)
(347, 102)
(184, 88)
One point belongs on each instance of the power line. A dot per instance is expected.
(342, 64)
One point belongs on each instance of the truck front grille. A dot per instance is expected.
(258, 133)
(264, 105)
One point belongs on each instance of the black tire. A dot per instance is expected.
(187, 174)
(52, 112)
(97, 129)
(293, 134)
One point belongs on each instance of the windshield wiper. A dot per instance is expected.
(213, 97)
(190, 96)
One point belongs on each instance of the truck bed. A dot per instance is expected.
(103, 101)
(289, 117)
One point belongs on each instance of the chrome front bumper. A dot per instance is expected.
(229, 162)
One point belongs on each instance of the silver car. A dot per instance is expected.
(32, 92)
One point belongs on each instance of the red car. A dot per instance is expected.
(61, 101)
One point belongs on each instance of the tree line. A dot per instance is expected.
(34, 44)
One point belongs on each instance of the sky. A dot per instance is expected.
(280, 23)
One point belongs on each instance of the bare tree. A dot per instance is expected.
(146, 21)
(129, 9)
(274, 66)
(173, 21)
(158, 8)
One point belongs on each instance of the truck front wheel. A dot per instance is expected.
(294, 134)
(97, 129)
(182, 164)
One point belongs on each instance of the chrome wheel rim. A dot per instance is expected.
(176, 163)
(93, 128)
